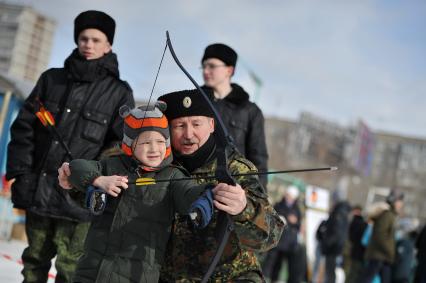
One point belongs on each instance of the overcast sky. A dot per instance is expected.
(342, 60)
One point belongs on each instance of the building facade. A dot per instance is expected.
(26, 39)
(368, 160)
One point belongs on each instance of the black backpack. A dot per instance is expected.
(321, 231)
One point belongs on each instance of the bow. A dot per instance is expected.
(224, 145)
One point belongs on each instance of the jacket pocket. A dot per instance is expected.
(24, 189)
(96, 126)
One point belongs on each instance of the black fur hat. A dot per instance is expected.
(186, 103)
(97, 20)
(222, 52)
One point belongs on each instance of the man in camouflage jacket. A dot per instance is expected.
(257, 225)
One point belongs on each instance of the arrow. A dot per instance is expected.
(152, 181)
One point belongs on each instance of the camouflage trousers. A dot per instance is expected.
(48, 237)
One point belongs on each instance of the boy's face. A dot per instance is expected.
(93, 44)
(150, 148)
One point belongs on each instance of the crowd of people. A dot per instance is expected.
(371, 247)
(119, 193)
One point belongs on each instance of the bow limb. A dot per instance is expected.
(224, 145)
(223, 140)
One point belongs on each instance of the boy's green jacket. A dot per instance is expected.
(127, 242)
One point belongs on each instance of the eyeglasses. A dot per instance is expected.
(211, 66)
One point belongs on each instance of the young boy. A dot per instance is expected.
(126, 243)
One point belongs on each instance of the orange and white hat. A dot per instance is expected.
(145, 118)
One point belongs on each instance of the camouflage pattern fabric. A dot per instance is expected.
(257, 229)
(48, 237)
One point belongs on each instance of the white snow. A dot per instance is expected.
(10, 262)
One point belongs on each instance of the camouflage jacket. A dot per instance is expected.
(257, 229)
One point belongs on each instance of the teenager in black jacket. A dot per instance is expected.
(84, 97)
(243, 119)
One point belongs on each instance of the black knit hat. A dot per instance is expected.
(222, 52)
(97, 20)
(186, 103)
(394, 195)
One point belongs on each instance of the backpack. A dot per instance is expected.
(321, 231)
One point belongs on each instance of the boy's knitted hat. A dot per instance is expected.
(145, 118)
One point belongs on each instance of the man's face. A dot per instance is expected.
(93, 44)
(190, 133)
(215, 72)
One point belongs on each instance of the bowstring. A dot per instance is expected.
(152, 91)
(156, 76)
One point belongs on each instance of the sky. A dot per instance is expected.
(340, 60)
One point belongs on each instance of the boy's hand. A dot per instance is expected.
(64, 173)
(112, 185)
(231, 199)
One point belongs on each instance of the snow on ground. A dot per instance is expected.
(10, 262)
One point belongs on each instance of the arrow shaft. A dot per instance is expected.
(245, 174)
(286, 171)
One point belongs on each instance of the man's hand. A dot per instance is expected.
(112, 185)
(64, 173)
(231, 199)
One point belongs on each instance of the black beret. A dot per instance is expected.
(186, 103)
(97, 20)
(222, 52)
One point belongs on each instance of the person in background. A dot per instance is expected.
(288, 247)
(335, 235)
(403, 267)
(421, 257)
(357, 249)
(243, 119)
(84, 98)
(380, 252)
